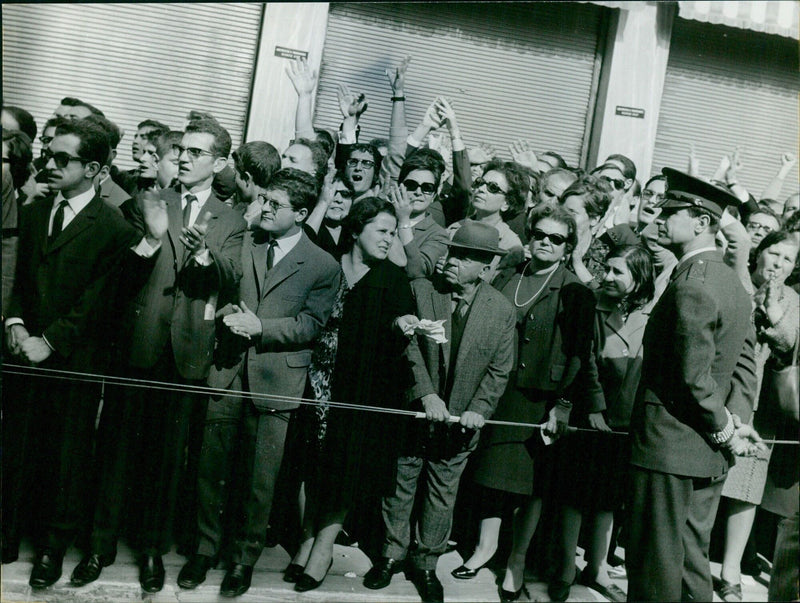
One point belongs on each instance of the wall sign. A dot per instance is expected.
(290, 53)
(630, 111)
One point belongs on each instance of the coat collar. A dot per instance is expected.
(79, 223)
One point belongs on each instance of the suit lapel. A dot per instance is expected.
(286, 267)
(258, 258)
(477, 315)
(79, 223)
(172, 197)
(441, 310)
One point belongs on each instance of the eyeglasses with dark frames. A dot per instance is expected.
(555, 238)
(62, 159)
(412, 185)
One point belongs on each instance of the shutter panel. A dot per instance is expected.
(132, 61)
(726, 87)
(512, 70)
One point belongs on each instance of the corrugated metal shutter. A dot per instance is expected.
(726, 87)
(512, 70)
(132, 61)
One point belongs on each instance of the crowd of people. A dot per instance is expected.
(393, 344)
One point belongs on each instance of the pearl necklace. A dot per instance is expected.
(535, 295)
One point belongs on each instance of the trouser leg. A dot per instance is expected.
(696, 536)
(436, 518)
(396, 509)
(215, 465)
(655, 553)
(263, 444)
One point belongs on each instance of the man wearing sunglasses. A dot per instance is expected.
(420, 182)
(61, 317)
(169, 332)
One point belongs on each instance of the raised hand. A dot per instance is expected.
(398, 196)
(154, 211)
(397, 76)
(788, 160)
(432, 119)
(349, 104)
(694, 162)
(194, 237)
(446, 114)
(303, 77)
(522, 154)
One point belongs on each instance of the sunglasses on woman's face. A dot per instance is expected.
(616, 183)
(426, 187)
(492, 187)
(555, 238)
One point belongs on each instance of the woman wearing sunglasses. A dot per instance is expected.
(497, 196)
(555, 313)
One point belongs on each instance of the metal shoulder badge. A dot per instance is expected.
(698, 270)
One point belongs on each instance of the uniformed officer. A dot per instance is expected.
(693, 403)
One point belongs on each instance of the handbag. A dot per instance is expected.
(783, 385)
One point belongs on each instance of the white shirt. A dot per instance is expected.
(197, 205)
(73, 208)
(284, 245)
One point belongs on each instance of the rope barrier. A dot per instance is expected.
(21, 369)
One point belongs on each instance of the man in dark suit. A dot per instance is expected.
(286, 295)
(694, 400)
(168, 337)
(463, 376)
(60, 318)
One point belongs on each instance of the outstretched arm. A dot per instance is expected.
(304, 80)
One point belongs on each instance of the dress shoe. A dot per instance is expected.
(381, 573)
(236, 580)
(151, 573)
(46, 568)
(428, 585)
(728, 591)
(558, 590)
(292, 572)
(305, 582)
(612, 592)
(194, 572)
(10, 554)
(462, 572)
(513, 595)
(88, 570)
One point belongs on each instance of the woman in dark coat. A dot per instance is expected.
(555, 314)
(359, 454)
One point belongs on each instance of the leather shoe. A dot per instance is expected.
(46, 568)
(10, 554)
(558, 590)
(151, 573)
(194, 571)
(381, 573)
(428, 585)
(507, 596)
(292, 572)
(88, 570)
(462, 572)
(305, 582)
(236, 580)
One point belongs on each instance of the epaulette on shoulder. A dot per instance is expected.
(698, 270)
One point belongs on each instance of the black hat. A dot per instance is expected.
(684, 190)
(477, 236)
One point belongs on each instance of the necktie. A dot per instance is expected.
(271, 254)
(187, 209)
(58, 220)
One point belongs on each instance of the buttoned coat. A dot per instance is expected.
(61, 289)
(293, 302)
(698, 360)
(485, 354)
(178, 298)
(555, 339)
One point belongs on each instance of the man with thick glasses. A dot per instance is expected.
(60, 318)
(420, 182)
(285, 297)
(168, 336)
